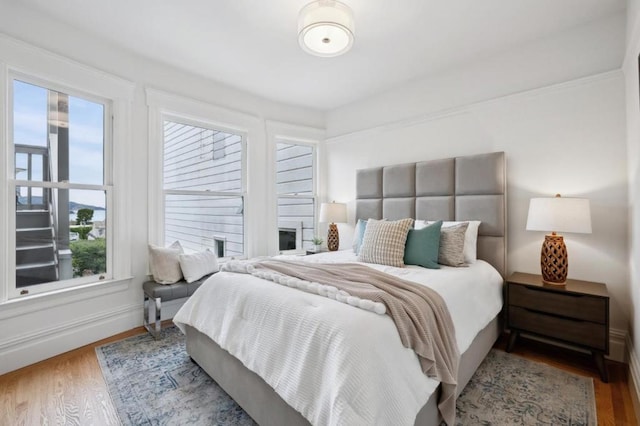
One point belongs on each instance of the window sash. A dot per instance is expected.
(210, 239)
(12, 290)
(197, 226)
(310, 194)
(16, 292)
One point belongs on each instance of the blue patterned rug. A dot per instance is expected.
(154, 382)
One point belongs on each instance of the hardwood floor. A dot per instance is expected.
(64, 390)
(69, 388)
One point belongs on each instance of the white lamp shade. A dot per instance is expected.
(333, 212)
(326, 28)
(559, 214)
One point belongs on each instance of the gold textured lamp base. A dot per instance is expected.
(333, 239)
(554, 261)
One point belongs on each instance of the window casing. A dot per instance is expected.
(296, 194)
(203, 186)
(59, 148)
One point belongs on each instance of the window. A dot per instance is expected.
(203, 187)
(59, 141)
(296, 195)
(220, 246)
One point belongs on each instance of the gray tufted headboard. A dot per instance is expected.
(461, 188)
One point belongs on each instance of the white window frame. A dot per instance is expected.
(163, 105)
(58, 73)
(167, 116)
(107, 187)
(314, 195)
(216, 241)
(277, 132)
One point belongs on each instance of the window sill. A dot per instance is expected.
(38, 302)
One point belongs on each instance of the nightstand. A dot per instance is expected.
(576, 314)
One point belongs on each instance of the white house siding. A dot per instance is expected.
(295, 188)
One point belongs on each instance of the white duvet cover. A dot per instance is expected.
(334, 363)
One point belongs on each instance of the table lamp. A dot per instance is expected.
(557, 214)
(332, 213)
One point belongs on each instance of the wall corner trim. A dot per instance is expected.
(634, 374)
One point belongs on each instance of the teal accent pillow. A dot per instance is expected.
(358, 235)
(422, 246)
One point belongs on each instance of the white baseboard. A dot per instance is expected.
(617, 345)
(634, 375)
(46, 343)
(28, 349)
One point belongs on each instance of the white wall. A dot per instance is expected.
(567, 138)
(40, 328)
(630, 69)
(580, 52)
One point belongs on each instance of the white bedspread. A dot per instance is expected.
(336, 364)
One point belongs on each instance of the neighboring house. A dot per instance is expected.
(98, 230)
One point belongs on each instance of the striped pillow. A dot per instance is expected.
(452, 245)
(384, 242)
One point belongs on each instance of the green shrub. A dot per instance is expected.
(83, 231)
(89, 257)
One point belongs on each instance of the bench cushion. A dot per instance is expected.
(172, 291)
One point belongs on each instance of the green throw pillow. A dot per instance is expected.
(423, 245)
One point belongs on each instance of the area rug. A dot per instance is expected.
(510, 390)
(154, 382)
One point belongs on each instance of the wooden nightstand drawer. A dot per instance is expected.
(579, 332)
(576, 313)
(579, 306)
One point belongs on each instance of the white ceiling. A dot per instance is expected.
(252, 44)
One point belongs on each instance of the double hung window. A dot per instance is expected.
(203, 187)
(59, 145)
(296, 195)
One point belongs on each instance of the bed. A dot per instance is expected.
(461, 188)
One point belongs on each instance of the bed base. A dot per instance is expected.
(267, 408)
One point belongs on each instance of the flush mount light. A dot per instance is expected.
(325, 28)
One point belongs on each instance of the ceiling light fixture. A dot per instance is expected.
(326, 28)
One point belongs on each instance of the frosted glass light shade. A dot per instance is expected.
(333, 213)
(326, 28)
(559, 214)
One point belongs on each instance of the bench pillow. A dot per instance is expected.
(196, 265)
(164, 263)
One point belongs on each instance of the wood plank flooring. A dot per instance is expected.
(69, 389)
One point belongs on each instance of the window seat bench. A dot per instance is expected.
(159, 293)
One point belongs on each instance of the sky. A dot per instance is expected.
(86, 138)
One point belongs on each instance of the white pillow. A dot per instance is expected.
(164, 263)
(419, 224)
(197, 265)
(470, 236)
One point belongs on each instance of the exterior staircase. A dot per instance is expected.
(36, 252)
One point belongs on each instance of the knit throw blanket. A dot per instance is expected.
(419, 313)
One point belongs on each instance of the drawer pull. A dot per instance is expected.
(542, 290)
(548, 314)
